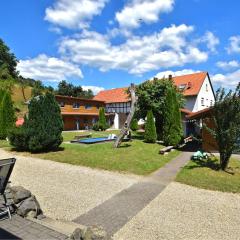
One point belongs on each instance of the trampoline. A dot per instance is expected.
(95, 140)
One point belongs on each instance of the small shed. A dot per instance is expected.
(205, 117)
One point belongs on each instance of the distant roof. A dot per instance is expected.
(19, 122)
(116, 95)
(190, 83)
(206, 112)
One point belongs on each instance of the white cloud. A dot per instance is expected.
(167, 48)
(49, 69)
(95, 89)
(137, 11)
(234, 45)
(227, 80)
(228, 65)
(74, 13)
(211, 40)
(175, 73)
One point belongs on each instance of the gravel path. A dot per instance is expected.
(66, 191)
(184, 212)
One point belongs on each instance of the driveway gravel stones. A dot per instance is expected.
(185, 212)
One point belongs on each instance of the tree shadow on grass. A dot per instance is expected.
(211, 163)
(126, 145)
(59, 149)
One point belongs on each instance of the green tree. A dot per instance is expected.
(134, 124)
(68, 89)
(172, 125)
(7, 114)
(37, 89)
(42, 129)
(102, 122)
(152, 95)
(150, 134)
(226, 116)
(8, 61)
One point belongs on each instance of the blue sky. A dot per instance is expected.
(111, 43)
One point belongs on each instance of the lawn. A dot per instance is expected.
(134, 157)
(4, 144)
(205, 174)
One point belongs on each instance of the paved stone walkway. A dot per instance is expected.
(114, 213)
(20, 228)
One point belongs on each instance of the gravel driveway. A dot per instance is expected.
(184, 212)
(66, 191)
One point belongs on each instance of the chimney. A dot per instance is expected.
(189, 84)
(170, 77)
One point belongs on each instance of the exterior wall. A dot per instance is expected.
(124, 107)
(190, 103)
(68, 105)
(207, 94)
(194, 103)
(84, 122)
(121, 111)
(82, 117)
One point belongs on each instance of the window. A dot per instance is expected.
(202, 101)
(85, 120)
(211, 102)
(76, 105)
(206, 87)
(88, 106)
(62, 104)
(182, 86)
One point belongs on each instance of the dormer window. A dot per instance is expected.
(182, 86)
(76, 105)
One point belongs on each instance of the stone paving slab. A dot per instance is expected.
(20, 228)
(115, 212)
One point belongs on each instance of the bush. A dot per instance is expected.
(7, 114)
(102, 124)
(18, 138)
(134, 124)
(42, 129)
(172, 125)
(150, 135)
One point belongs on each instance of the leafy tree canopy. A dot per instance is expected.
(226, 116)
(8, 62)
(68, 89)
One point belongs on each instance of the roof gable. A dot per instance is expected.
(192, 82)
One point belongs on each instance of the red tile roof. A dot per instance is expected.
(117, 95)
(201, 114)
(192, 81)
(186, 111)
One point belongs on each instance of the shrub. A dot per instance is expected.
(7, 114)
(18, 138)
(43, 127)
(172, 125)
(134, 124)
(150, 135)
(102, 124)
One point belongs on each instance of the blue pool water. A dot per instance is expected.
(94, 140)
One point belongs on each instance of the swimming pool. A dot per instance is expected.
(95, 140)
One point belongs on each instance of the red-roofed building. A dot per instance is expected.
(117, 101)
(197, 89)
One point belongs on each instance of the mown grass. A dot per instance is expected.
(135, 157)
(206, 174)
(4, 144)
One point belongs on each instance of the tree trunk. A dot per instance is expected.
(224, 160)
(126, 126)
